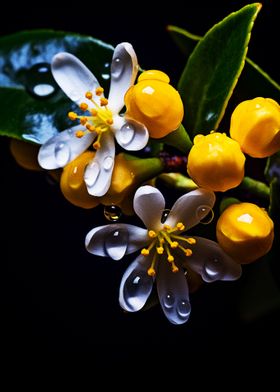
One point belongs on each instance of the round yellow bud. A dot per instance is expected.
(25, 154)
(72, 182)
(216, 162)
(255, 124)
(155, 103)
(245, 232)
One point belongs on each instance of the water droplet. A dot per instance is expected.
(214, 268)
(106, 72)
(183, 308)
(116, 243)
(39, 81)
(112, 213)
(205, 214)
(62, 154)
(137, 288)
(169, 300)
(126, 133)
(91, 173)
(164, 215)
(108, 163)
(116, 68)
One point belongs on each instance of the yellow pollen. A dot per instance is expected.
(88, 95)
(79, 134)
(151, 271)
(83, 120)
(188, 252)
(83, 106)
(96, 145)
(180, 226)
(103, 101)
(72, 115)
(191, 241)
(170, 258)
(99, 91)
(152, 234)
(90, 127)
(109, 121)
(174, 244)
(160, 250)
(145, 252)
(175, 268)
(94, 112)
(166, 227)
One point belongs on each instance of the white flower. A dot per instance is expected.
(103, 122)
(166, 251)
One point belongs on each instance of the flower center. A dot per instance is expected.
(99, 120)
(164, 242)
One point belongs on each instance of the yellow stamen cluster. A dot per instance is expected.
(99, 120)
(163, 241)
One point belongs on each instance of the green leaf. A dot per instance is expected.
(185, 40)
(213, 69)
(253, 81)
(25, 59)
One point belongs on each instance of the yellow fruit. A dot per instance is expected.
(25, 154)
(255, 125)
(155, 103)
(216, 162)
(245, 232)
(72, 182)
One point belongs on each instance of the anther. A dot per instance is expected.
(151, 271)
(188, 252)
(152, 234)
(84, 106)
(94, 112)
(79, 134)
(83, 120)
(96, 145)
(90, 127)
(88, 95)
(99, 91)
(170, 258)
(174, 244)
(160, 250)
(103, 101)
(145, 252)
(109, 121)
(191, 241)
(180, 226)
(175, 268)
(73, 116)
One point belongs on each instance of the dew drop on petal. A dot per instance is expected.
(91, 173)
(108, 162)
(168, 300)
(164, 215)
(105, 73)
(116, 243)
(39, 81)
(117, 68)
(214, 268)
(126, 133)
(62, 153)
(137, 288)
(205, 214)
(112, 213)
(183, 308)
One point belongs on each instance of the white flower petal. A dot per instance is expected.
(115, 240)
(191, 208)
(149, 204)
(63, 148)
(130, 134)
(124, 69)
(136, 285)
(211, 262)
(99, 171)
(73, 77)
(173, 293)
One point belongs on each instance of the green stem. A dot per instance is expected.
(257, 188)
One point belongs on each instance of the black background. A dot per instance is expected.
(56, 297)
